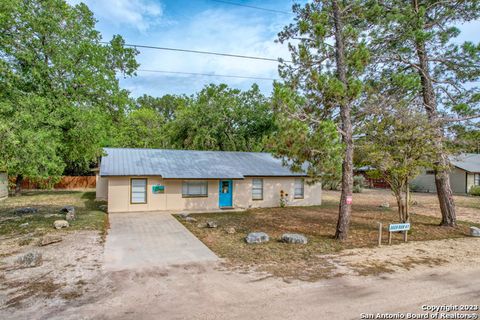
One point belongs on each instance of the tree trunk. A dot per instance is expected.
(347, 165)
(407, 202)
(442, 179)
(444, 192)
(400, 205)
(18, 185)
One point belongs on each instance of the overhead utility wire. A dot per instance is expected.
(209, 74)
(200, 52)
(251, 7)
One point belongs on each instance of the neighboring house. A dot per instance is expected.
(175, 180)
(465, 173)
(3, 185)
(370, 182)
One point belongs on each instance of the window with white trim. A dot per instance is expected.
(476, 180)
(192, 189)
(138, 190)
(257, 189)
(299, 188)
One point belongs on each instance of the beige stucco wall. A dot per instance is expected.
(426, 182)
(470, 181)
(119, 195)
(101, 187)
(171, 199)
(242, 193)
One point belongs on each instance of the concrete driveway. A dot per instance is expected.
(151, 239)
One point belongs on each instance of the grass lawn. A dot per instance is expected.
(318, 224)
(49, 204)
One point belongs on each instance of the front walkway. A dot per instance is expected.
(150, 239)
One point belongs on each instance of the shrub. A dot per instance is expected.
(358, 183)
(283, 199)
(415, 187)
(474, 191)
(331, 183)
(357, 189)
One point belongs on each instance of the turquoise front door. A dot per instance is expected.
(225, 193)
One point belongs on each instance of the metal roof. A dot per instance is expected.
(467, 161)
(189, 164)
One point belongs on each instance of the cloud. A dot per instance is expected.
(138, 14)
(218, 30)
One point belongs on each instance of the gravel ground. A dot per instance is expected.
(73, 285)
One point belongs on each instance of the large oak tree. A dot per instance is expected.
(59, 92)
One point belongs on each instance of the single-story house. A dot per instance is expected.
(187, 180)
(464, 174)
(3, 185)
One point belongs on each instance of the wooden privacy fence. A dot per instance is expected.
(66, 182)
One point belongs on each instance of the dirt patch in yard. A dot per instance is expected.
(311, 261)
(70, 273)
(468, 207)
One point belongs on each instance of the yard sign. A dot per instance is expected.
(398, 227)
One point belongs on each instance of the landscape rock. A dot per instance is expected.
(212, 224)
(294, 238)
(230, 230)
(184, 215)
(70, 212)
(385, 205)
(70, 216)
(202, 225)
(23, 225)
(103, 207)
(257, 237)
(475, 232)
(59, 224)
(67, 209)
(30, 260)
(49, 239)
(26, 210)
(190, 219)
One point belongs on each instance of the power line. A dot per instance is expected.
(251, 7)
(200, 52)
(209, 74)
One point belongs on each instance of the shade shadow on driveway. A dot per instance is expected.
(151, 239)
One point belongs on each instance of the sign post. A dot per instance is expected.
(380, 234)
(398, 227)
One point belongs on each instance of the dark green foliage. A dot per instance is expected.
(453, 68)
(315, 143)
(474, 191)
(221, 118)
(358, 183)
(59, 94)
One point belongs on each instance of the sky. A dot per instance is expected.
(206, 25)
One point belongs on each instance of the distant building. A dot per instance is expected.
(3, 185)
(465, 173)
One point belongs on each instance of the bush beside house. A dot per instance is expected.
(474, 191)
